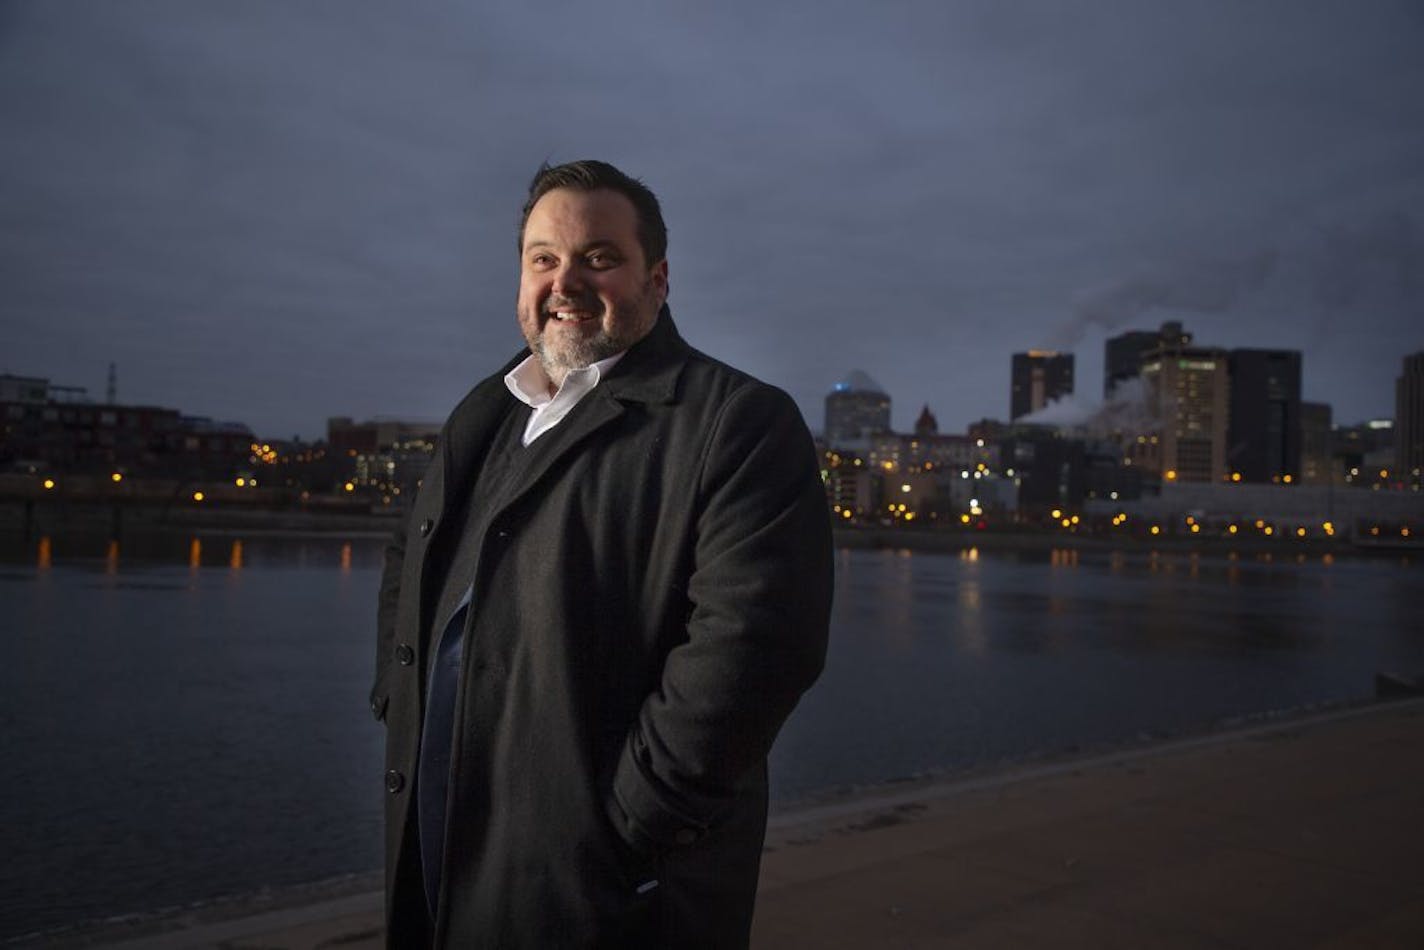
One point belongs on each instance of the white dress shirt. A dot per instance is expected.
(530, 385)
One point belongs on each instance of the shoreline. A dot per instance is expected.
(342, 908)
(324, 526)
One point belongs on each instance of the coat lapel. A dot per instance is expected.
(648, 374)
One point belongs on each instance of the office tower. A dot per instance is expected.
(1263, 435)
(856, 408)
(1187, 392)
(1123, 354)
(1039, 377)
(1409, 420)
(1315, 444)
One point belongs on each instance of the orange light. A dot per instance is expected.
(1156, 530)
(117, 477)
(48, 483)
(350, 487)
(198, 496)
(1236, 476)
(1170, 475)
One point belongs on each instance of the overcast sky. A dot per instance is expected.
(275, 212)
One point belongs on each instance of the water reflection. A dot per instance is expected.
(234, 560)
(899, 599)
(195, 555)
(346, 558)
(46, 553)
(111, 558)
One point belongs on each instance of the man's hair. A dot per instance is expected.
(591, 175)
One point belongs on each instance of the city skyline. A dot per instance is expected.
(1067, 411)
(277, 215)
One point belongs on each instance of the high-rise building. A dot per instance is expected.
(1409, 420)
(1039, 377)
(1188, 393)
(1263, 435)
(1123, 354)
(1315, 444)
(857, 407)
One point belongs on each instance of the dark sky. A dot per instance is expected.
(279, 211)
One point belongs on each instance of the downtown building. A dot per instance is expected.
(58, 429)
(857, 407)
(385, 455)
(1038, 377)
(1124, 354)
(1264, 427)
(1188, 391)
(1316, 444)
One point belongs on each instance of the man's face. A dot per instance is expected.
(585, 291)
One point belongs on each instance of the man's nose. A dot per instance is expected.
(568, 278)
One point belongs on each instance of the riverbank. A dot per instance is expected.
(1300, 832)
(19, 522)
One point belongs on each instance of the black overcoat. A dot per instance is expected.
(648, 606)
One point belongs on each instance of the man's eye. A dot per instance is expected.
(541, 260)
(602, 259)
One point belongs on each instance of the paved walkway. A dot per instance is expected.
(1302, 834)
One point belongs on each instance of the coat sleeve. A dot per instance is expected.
(760, 588)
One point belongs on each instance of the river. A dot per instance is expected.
(186, 719)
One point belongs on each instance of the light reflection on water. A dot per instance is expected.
(205, 698)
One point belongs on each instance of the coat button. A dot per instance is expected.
(394, 781)
(405, 654)
(426, 527)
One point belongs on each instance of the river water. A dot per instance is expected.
(186, 719)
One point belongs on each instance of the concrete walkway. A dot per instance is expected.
(1301, 834)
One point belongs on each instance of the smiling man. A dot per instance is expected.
(612, 589)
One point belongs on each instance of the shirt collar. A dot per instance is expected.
(530, 384)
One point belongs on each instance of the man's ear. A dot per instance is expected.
(659, 276)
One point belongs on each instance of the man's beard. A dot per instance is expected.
(557, 362)
(585, 351)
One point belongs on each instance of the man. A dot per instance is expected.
(613, 586)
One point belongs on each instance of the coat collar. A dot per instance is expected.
(650, 371)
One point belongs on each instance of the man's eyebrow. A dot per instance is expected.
(595, 244)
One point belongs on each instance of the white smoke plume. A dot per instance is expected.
(1128, 411)
(1200, 287)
